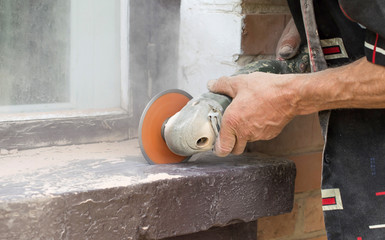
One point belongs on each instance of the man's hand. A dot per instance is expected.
(261, 107)
(289, 42)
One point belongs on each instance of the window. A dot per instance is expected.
(63, 72)
(59, 55)
(81, 71)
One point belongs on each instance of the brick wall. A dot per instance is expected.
(301, 140)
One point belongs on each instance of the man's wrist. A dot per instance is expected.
(310, 92)
(297, 88)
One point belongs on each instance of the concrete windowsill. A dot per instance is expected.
(108, 191)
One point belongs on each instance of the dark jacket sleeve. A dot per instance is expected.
(369, 13)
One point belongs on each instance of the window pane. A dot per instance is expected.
(34, 51)
(59, 54)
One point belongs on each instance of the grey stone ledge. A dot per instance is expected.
(108, 191)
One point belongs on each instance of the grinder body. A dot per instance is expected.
(195, 128)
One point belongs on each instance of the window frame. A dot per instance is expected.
(149, 51)
(31, 130)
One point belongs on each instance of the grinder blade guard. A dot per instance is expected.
(173, 127)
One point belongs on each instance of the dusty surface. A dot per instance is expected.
(20, 161)
(108, 191)
(40, 172)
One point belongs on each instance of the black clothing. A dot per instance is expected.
(353, 178)
(357, 22)
(368, 13)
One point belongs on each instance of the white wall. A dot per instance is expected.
(210, 41)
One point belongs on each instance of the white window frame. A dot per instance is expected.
(41, 129)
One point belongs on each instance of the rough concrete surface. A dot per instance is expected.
(108, 191)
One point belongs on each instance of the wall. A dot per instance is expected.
(213, 36)
(209, 43)
(153, 50)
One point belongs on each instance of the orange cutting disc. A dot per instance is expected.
(159, 109)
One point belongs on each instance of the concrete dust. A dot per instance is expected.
(26, 161)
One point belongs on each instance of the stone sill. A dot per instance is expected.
(108, 191)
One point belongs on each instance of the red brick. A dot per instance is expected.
(277, 226)
(264, 6)
(262, 32)
(269, 2)
(313, 214)
(301, 135)
(320, 238)
(309, 169)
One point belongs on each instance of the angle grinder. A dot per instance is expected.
(174, 126)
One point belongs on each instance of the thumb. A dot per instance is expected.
(289, 42)
(225, 142)
(222, 85)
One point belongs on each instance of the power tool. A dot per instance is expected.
(174, 126)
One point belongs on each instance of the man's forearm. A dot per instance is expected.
(360, 84)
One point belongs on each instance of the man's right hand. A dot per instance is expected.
(262, 105)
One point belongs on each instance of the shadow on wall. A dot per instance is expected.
(154, 36)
